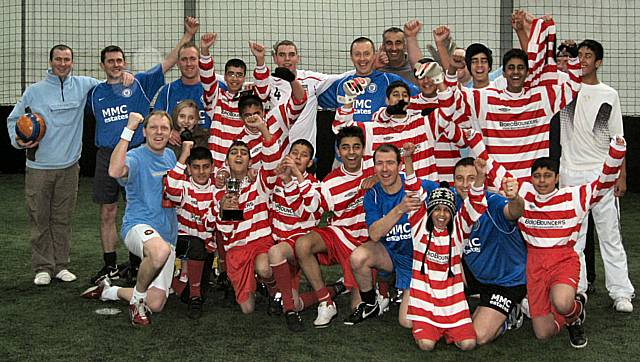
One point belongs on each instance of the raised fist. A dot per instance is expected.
(412, 28)
(207, 40)
(134, 120)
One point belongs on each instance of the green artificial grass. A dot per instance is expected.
(53, 323)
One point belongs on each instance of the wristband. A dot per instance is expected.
(127, 134)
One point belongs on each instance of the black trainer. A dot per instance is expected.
(577, 337)
(362, 312)
(275, 305)
(111, 272)
(195, 308)
(294, 321)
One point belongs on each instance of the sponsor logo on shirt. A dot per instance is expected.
(513, 125)
(434, 257)
(545, 224)
(472, 246)
(362, 106)
(283, 210)
(356, 203)
(399, 232)
(230, 115)
(117, 113)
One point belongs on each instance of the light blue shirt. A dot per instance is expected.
(61, 103)
(143, 186)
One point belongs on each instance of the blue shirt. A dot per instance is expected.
(495, 252)
(61, 103)
(378, 203)
(367, 104)
(143, 186)
(111, 103)
(175, 92)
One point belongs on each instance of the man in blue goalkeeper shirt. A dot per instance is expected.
(363, 55)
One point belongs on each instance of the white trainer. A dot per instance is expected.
(383, 303)
(66, 276)
(326, 313)
(524, 306)
(42, 278)
(623, 305)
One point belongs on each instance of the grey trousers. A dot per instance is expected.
(51, 199)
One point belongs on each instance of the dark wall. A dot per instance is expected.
(13, 160)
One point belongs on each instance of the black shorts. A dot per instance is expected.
(502, 299)
(191, 247)
(106, 189)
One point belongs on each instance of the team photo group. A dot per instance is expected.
(459, 193)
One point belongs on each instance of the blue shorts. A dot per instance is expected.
(402, 265)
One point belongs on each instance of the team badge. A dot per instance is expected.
(148, 232)
(372, 88)
(127, 92)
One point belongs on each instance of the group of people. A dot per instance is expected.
(442, 187)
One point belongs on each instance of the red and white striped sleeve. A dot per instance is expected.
(472, 209)
(343, 118)
(607, 178)
(175, 183)
(262, 85)
(294, 108)
(209, 83)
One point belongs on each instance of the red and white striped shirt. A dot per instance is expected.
(342, 194)
(417, 129)
(254, 202)
(192, 201)
(446, 153)
(554, 220)
(222, 108)
(292, 207)
(435, 297)
(516, 126)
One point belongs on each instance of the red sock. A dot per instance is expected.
(383, 288)
(282, 275)
(222, 254)
(575, 312)
(177, 285)
(195, 276)
(310, 299)
(323, 295)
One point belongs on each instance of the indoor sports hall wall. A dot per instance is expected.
(323, 29)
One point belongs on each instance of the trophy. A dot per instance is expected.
(233, 188)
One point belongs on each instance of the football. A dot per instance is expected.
(30, 127)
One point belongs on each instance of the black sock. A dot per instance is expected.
(368, 297)
(110, 258)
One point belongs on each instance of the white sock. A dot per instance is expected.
(110, 293)
(137, 296)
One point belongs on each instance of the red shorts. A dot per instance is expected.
(241, 261)
(422, 330)
(547, 267)
(337, 253)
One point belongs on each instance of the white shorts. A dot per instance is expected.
(134, 241)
